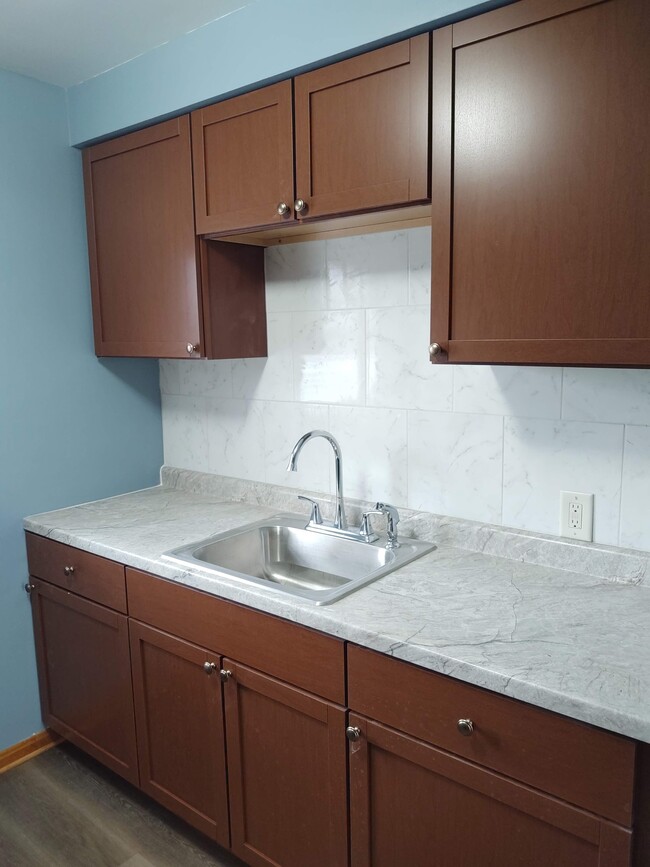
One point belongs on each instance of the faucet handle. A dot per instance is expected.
(365, 530)
(392, 520)
(316, 517)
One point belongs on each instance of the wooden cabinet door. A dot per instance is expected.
(362, 131)
(84, 673)
(179, 716)
(540, 185)
(243, 161)
(286, 773)
(142, 245)
(413, 804)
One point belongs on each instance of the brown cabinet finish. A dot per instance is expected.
(142, 245)
(79, 571)
(540, 185)
(362, 131)
(234, 300)
(295, 654)
(84, 672)
(578, 763)
(179, 718)
(157, 290)
(243, 160)
(286, 773)
(411, 803)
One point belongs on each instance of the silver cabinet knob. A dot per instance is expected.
(225, 675)
(465, 727)
(28, 589)
(209, 667)
(192, 348)
(283, 209)
(353, 733)
(68, 570)
(300, 205)
(434, 350)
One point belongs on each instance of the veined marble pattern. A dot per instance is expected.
(455, 464)
(635, 515)
(329, 357)
(349, 327)
(400, 374)
(368, 271)
(508, 391)
(563, 641)
(616, 396)
(542, 457)
(268, 378)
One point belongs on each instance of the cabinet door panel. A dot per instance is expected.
(413, 804)
(243, 160)
(286, 773)
(142, 246)
(550, 190)
(362, 131)
(179, 717)
(84, 675)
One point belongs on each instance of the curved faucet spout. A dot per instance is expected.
(340, 521)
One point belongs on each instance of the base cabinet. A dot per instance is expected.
(433, 771)
(286, 773)
(179, 717)
(413, 804)
(82, 651)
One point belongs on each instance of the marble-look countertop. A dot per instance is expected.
(565, 641)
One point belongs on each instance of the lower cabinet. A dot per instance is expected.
(179, 716)
(414, 804)
(286, 773)
(82, 651)
(241, 731)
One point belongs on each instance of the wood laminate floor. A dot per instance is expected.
(62, 809)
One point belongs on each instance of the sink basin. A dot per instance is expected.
(280, 554)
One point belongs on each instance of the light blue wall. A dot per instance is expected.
(261, 42)
(72, 428)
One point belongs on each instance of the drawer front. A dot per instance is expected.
(574, 761)
(77, 571)
(292, 653)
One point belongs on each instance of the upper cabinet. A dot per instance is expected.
(156, 291)
(361, 143)
(362, 132)
(243, 161)
(540, 185)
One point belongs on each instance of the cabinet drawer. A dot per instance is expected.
(581, 764)
(292, 653)
(78, 571)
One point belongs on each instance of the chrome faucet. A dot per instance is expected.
(340, 521)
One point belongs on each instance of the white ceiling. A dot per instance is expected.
(67, 41)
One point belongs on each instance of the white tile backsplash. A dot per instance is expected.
(368, 271)
(235, 434)
(509, 391)
(617, 396)
(329, 357)
(400, 373)
(268, 378)
(635, 510)
(543, 457)
(374, 443)
(455, 464)
(284, 424)
(348, 324)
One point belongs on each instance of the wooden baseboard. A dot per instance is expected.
(27, 749)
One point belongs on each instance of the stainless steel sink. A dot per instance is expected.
(280, 554)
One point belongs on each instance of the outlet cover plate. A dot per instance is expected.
(577, 515)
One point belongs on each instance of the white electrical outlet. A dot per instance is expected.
(577, 515)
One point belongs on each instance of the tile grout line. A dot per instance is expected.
(620, 500)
